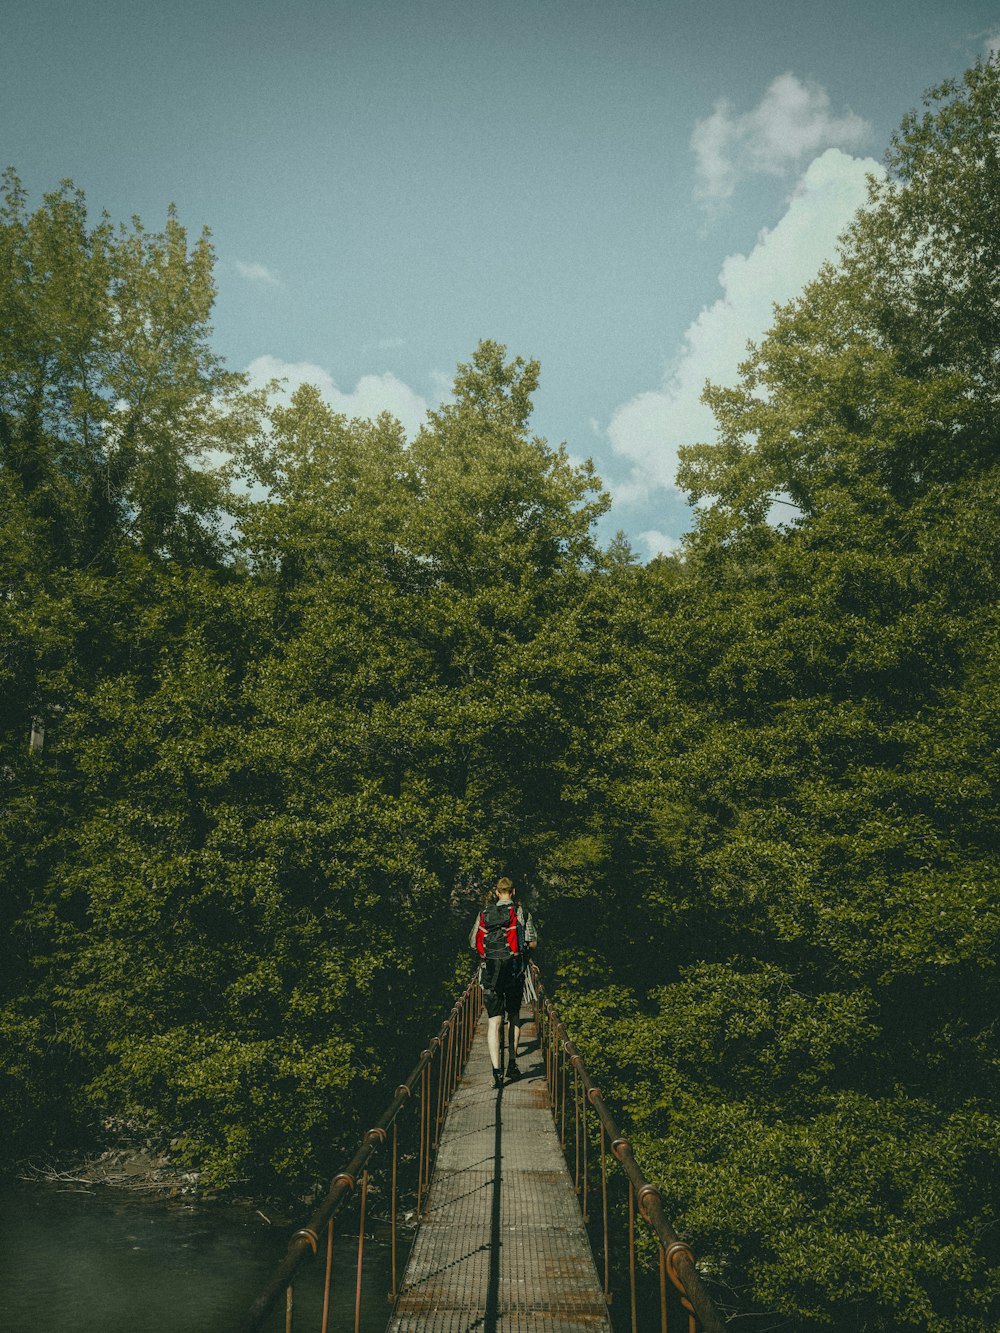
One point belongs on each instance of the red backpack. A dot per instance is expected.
(500, 937)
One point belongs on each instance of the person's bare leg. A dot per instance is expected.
(514, 1022)
(493, 1040)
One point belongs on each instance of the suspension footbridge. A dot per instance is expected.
(506, 1182)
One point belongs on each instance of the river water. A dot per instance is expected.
(108, 1263)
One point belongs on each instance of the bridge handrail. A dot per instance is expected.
(305, 1242)
(676, 1255)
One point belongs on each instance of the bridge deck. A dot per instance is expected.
(502, 1246)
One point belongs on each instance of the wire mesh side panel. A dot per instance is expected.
(615, 1196)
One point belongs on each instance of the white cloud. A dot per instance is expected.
(648, 429)
(792, 121)
(371, 395)
(991, 45)
(258, 273)
(658, 543)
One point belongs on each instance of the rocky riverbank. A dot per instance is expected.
(125, 1155)
(143, 1171)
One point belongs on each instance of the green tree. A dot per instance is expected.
(808, 1067)
(287, 768)
(110, 401)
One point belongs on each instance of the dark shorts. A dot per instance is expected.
(505, 995)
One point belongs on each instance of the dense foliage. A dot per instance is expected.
(794, 840)
(294, 709)
(304, 685)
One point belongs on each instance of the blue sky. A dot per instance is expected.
(621, 191)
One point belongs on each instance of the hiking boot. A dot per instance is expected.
(513, 1073)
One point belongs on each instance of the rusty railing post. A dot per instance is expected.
(392, 1213)
(361, 1251)
(586, 1102)
(423, 1119)
(661, 1265)
(576, 1129)
(329, 1271)
(631, 1254)
(562, 1097)
(438, 1101)
(604, 1209)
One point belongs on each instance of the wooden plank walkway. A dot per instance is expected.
(502, 1247)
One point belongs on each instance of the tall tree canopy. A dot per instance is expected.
(288, 726)
(801, 846)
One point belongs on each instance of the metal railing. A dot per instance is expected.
(676, 1260)
(437, 1073)
(434, 1079)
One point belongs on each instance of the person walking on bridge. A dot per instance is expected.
(503, 935)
